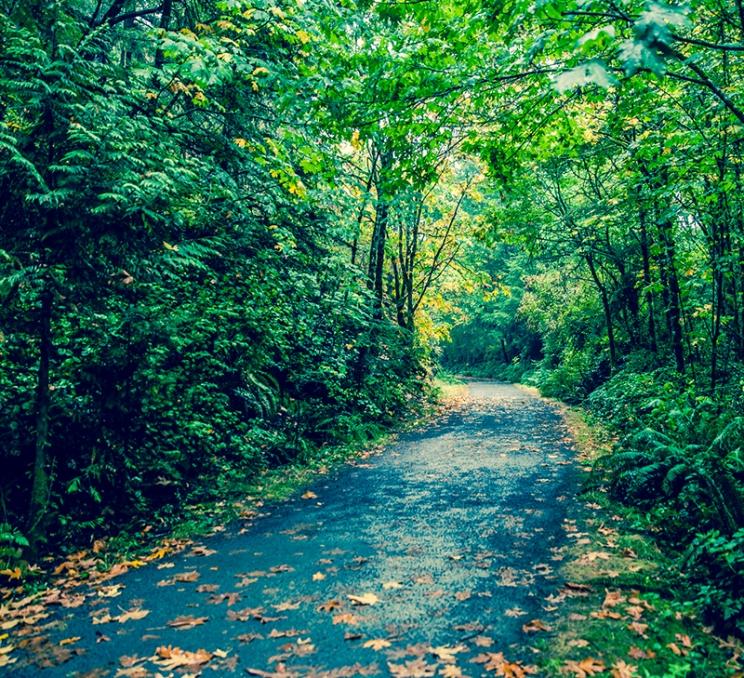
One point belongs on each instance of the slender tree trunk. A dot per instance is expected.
(674, 308)
(606, 308)
(165, 19)
(377, 252)
(647, 281)
(40, 479)
(379, 236)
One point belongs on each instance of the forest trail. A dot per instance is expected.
(448, 539)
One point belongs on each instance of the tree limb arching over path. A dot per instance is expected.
(438, 550)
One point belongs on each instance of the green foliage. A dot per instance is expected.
(680, 461)
(12, 544)
(170, 217)
(719, 560)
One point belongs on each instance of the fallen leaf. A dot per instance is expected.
(230, 598)
(496, 662)
(15, 574)
(638, 628)
(535, 625)
(130, 615)
(637, 653)
(417, 668)
(483, 641)
(377, 644)
(109, 591)
(345, 618)
(635, 611)
(187, 622)
(446, 653)
(606, 614)
(172, 658)
(613, 598)
(585, 667)
(329, 606)
(684, 639)
(187, 576)
(281, 568)
(364, 599)
(620, 669)
(281, 672)
(69, 641)
(309, 495)
(515, 612)
(318, 576)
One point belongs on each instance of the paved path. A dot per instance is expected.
(448, 538)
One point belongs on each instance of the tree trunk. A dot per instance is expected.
(674, 312)
(606, 307)
(379, 235)
(647, 281)
(165, 19)
(40, 480)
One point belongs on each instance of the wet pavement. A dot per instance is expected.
(448, 539)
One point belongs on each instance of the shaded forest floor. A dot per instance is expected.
(462, 548)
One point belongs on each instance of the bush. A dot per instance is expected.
(719, 560)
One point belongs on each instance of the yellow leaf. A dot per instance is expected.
(12, 574)
(135, 615)
(364, 599)
(69, 641)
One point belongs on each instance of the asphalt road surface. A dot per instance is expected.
(413, 562)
